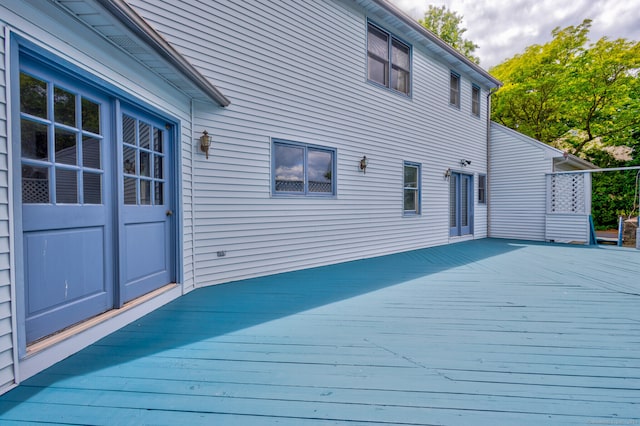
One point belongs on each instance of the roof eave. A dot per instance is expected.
(437, 41)
(137, 25)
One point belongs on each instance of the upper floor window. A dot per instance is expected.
(482, 189)
(301, 169)
(454, 90)
(389, 62)
(411, 188)
(475, 100)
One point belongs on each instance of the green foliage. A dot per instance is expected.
(614, 193)
(566, 86)
(582, 98)
(531, 98)
(447, 25)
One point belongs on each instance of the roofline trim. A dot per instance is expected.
(560, 155)
(135, 23)
(435, 39)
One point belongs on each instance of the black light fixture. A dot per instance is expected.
(465, 163)
(363, 164)
(205, 143)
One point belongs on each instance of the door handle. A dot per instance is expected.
(169, 213)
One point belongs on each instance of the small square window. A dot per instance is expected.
(475, 100)
(301, 169)
(454, 90)
(412, 188)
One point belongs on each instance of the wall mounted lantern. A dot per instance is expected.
(205, 143)
(447, 174)
(363, 164)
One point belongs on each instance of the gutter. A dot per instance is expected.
(135, 23)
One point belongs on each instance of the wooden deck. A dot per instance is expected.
(487, 332)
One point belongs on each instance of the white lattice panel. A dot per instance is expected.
(567, 193)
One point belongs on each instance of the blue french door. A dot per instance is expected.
(96, 218)
(66, 220)
(147, 216)
(460, 204)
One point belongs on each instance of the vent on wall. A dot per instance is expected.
(127, 44)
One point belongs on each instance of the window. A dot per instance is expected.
(411, 188)
(389, 61)
(482, 189)
(301, 169)
(143, 156)
(61, 143)
(454, 90)
(475, 100)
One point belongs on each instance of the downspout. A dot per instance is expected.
(192, 118)
(488, 182)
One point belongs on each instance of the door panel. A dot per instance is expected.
(466, 204)
(146, 220)
(66, 227)
(460, 204)
(454, 217)
(64, 268)
(68, 265)
(146, 264)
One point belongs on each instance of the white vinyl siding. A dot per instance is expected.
(567, 228)
(517, 186)
(6, 335)
(292, 94)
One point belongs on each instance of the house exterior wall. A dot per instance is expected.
(297, 72)
(6, 318)
(52, 32)
(517, 186)
(521, 192)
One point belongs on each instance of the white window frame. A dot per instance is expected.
(417, 190)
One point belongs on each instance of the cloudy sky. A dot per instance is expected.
(503, 28)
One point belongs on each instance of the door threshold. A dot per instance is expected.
(62, 335)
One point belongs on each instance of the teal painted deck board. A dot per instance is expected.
(484, 332)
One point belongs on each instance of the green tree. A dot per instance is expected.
(583, 98)
(565, 92)
(530, 99)
(447, 25)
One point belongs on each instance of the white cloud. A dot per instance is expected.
(503, 28)
(294, 173)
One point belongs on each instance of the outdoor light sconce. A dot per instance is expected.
(205, 143)
(447, 174)
(363, 164)
(465, 163)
